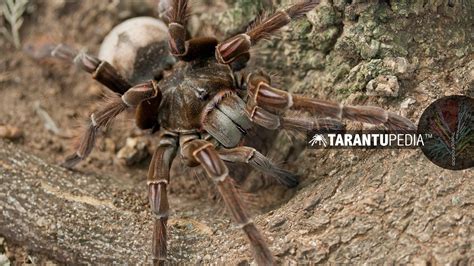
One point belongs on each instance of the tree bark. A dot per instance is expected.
(68, 216)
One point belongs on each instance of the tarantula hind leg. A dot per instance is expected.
(265, 98)
(203, 153)
(273, 121)
(238, 46)
(158, 179)
(115, 105)
(100, 70)
(258, 161)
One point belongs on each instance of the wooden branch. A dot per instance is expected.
(68, 216)
(416, 212)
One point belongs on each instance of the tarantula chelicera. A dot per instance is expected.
(203, 103)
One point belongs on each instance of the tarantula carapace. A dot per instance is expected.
(204, 105)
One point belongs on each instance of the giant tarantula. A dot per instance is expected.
(203, 105)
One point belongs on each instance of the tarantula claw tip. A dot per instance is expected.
(71, 161)
(288, 179)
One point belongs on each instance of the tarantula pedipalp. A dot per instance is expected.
(203, 105)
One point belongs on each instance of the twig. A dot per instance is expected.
(13, 11)
(49, 123)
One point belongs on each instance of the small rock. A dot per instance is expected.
(407, 102)
(134, 151)
(10, 132)
(383, 85)
(399, 65)
(4, 260)
(292, 251)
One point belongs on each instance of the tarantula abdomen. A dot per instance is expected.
(138, 49)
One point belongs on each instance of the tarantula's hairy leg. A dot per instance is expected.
(270, 120)
(158, 179)
(202, 152)
(237, 47)
(147, 112)
(99, 119)
(102, 118)
(180, 46)
(177, 17)
(258, 161)
(262, 95)
(101, 71)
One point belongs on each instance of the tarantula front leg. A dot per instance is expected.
(101, 71)
(115, 105)
(180, 46)
(263, 98)
(158, 180)
(177, 17)
(237, 47)
(203, 153)
(258, 161)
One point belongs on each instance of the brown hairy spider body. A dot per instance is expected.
(203, 106)
(188, 90)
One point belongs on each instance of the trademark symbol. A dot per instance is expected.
(428, 136)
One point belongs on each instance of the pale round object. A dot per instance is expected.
(138, 48)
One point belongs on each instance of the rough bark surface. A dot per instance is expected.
(73, 217)
(398, 210)
(69, 216)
